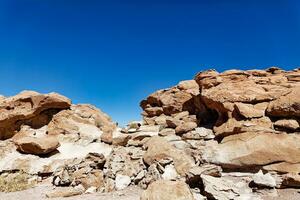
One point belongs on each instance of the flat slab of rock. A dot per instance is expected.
(248, 150)
(37, 146)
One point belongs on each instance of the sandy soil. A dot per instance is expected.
(38, 193)
(131, 193)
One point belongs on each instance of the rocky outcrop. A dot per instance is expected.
(248, 111)
(242, 121)
(230, 135)
(29, 108)
(44, 134)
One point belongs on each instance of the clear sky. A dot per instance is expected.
(114, 53)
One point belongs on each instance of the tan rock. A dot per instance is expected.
(248, 150)
(173, 123)
(251, 111)
(159, 148)
(29, 108)
(286, 105)
(65, 192)
(166, 190)
(154, 111)
(82, 122)
(283, 167)
(193, 176)
(173, 100)
(233, 126)
(290, 124)
(166, 132)
(199, 133)
(35, 142)
(185, 127)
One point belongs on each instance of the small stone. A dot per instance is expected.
(65, 192)
(167, 131)
(290, 124)
(122, 181)
(185, 127)
(170, 173)
(91, 190)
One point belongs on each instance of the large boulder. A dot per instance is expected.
(35, 141)
(166, 190)
(37, 146)
(173, 100)
(82, 121)
(287, 105)
(159, 148)
(30, 108)
(255, 149)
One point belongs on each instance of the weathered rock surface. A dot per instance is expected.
(226, 189)
(165, 190)
(30, 108)
(249, 150)
(158, 149)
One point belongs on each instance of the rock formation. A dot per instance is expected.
(230, 135)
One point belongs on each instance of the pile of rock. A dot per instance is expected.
(230, 135)
(241, 121)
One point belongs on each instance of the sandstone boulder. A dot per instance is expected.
(174, 100)
(159, 148)
(29, 108)
(37, 146)
(35, 142)
(286, 105)
(82, 122)
(166, 190)
(287, 124)
(254, 149)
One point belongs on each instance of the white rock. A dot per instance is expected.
(225, 189)
(198, 196)
(264, 179)
(91, 190)
(122, 181)
(170, 173)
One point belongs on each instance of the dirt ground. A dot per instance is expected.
(131, 193)
(39, 193)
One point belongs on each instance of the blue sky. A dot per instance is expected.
(114, 53)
